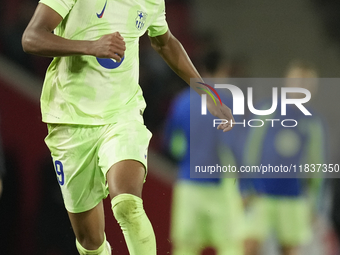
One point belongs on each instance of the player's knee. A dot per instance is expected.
(127, 207)
(89, 242)
(103, 249)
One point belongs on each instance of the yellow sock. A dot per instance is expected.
(104, 249)
(137, 229)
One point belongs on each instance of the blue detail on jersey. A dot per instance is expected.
(109, 63)
(59, 169)
(140, 19)
(100, 15)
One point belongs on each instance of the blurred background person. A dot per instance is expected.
(285, 205)
(205, 212)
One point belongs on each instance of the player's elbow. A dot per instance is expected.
(159, 43)
(28, 42)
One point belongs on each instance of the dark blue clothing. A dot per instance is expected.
(286, 146)
(202, 140)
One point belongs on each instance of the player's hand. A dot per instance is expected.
(221, 112)
(110, 46)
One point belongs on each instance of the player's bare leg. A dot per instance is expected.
(186, 249)
(125, 180)
(289, 250)
(89, 227)
(126, 176)
(251, 247)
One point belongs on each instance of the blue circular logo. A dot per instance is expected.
(109, 63)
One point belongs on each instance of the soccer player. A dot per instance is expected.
(93, 106)
(206, 212)
(285, 205)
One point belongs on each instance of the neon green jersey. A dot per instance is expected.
(91, 91)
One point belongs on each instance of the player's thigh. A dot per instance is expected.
(258, 219)
(252, 247)
(226, 217)
(74, 152)
(294, 222)
(188, 222)
(126, 176)
(123, 156)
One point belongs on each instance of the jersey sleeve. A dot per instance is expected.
(171, 124)
(159, 26)
(60, 6)
(317, 148)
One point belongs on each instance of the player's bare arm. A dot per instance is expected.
(172, 51)
(38, 39)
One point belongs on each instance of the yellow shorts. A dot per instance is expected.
(82, 155)
(289, 218)
(208, 214)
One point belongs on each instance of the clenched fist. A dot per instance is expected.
(110, 46)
